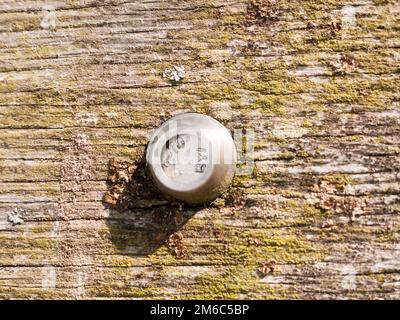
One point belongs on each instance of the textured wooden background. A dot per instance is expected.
(81, 82)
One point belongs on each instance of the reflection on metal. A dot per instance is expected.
(192, 158)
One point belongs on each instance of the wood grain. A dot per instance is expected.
(318, 81)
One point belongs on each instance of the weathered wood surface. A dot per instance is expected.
(81, 82)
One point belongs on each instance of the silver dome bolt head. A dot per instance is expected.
(192, 158)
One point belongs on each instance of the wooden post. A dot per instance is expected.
(81, 83)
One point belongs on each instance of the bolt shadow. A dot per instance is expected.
(140, 218)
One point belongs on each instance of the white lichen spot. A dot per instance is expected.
(15, 216)
(349, 280)
(49, 20)
(348, 16)
(49, 276)
(175, 74)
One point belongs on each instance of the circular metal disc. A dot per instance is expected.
(192, 158)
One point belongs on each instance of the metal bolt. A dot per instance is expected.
(192, 158)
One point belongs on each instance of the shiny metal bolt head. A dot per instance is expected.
(192, 158)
